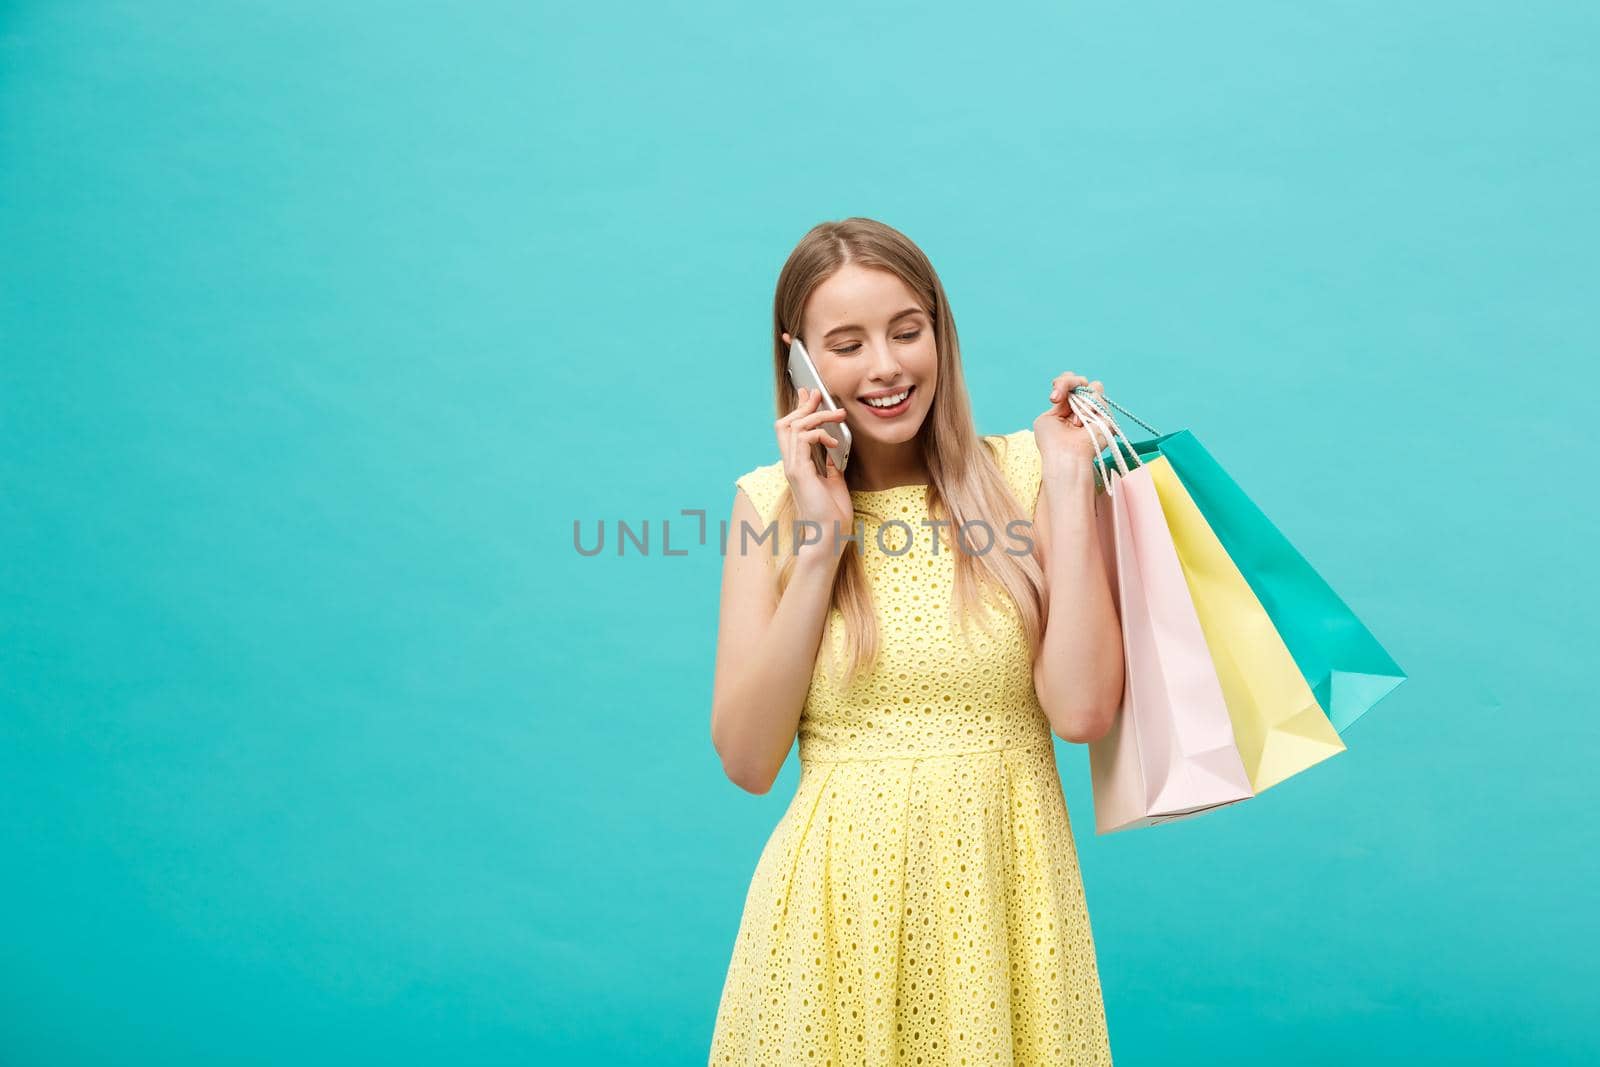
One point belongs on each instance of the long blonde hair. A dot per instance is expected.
(965, 480)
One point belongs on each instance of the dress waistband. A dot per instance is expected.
(1047, 742)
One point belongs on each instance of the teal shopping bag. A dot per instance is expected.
(1346, 667)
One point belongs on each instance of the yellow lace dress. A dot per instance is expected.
(919, 902)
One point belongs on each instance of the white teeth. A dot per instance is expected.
(888, 401)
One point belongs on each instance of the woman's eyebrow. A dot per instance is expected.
(892, 319)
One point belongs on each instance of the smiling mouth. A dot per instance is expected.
(882, 407)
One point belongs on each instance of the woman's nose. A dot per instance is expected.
(885, 363)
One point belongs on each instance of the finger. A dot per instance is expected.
(793, 428)
(1065, 383)
(816, 418)
(805, 403)
(819, 436)
(798, 459)
(799, 403)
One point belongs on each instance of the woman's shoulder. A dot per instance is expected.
(764, 486)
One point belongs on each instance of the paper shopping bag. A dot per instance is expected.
(1348, 670)
(1170, 753)
(1277, 723)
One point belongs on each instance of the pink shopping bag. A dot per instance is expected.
(1171, 753)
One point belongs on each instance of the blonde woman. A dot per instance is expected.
(920, 900)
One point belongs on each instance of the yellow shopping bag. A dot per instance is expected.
(1279, 728)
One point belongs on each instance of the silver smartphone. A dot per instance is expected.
(803, 373)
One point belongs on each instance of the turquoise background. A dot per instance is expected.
(321, 324)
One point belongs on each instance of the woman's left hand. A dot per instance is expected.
(1063, 442)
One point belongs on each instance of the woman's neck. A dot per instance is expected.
(895, 466)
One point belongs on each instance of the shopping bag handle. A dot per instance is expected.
(1100, 400)
(1097, 423)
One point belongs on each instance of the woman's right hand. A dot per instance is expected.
(822, 499)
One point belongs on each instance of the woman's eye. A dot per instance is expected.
(912, 336)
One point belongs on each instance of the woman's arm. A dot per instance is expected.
(766, 651)
(1078, 674)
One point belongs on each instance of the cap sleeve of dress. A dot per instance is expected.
(1023, 466)
(765, 487)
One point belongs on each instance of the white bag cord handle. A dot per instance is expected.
(1101, 400)
(1093, 428)
(1096, 419)
(1112, 427)
(1096, 425)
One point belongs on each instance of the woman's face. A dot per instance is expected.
(870, 339)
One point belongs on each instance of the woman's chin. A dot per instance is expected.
(894, 432)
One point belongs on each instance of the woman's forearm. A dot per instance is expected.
(1078, 674)
(754, 727)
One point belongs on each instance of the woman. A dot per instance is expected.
(920, 900)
